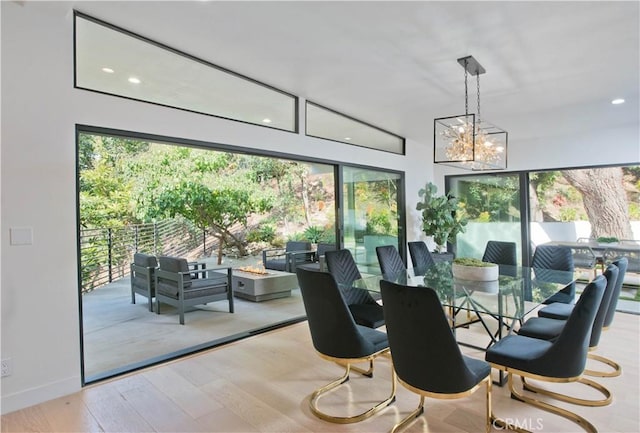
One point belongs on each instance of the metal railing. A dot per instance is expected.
(105, 253)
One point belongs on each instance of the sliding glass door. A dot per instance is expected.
(371, 217)
(492, 205)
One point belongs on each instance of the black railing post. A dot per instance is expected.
(155, 238)
(109, 246)
(136, 238)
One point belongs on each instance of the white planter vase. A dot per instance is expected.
(476, 286)
(475, 273)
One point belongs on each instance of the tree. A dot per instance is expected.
(105, 185)
(214, 209)
(605, 201)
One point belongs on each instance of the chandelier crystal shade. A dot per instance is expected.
(467, 141)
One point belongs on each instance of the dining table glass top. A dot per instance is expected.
(516, 292)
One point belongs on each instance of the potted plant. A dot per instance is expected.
(474, 270)
(442, 216)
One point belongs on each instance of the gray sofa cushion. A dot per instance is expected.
(173, 264)
(145, 260)
(140, 277)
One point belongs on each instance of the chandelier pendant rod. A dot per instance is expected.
(478, 96)
(466, 94)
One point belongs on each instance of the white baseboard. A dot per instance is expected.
(33, 396)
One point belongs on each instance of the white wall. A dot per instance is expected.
(40, 108)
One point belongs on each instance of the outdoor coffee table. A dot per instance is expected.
(260, 287)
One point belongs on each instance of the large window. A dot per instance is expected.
(492, 205)
(594, 211)
(137, 195)
(114, 61)
(325, 123)
(152, 196)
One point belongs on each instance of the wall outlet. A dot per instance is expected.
(6, 367)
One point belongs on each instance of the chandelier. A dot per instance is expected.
(466, 141)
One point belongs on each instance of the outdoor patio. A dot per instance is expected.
(119, 335)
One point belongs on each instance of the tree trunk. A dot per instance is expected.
(604, 199)
(220, 247)
(534, 203)
(305, 198)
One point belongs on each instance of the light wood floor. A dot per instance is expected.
(262, 384)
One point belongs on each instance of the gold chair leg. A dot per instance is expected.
(582, 422)
(368, 373)
(313, 400)
(574, 400)
(420, 409)
(413, 415)
(617, 370)
(489, 411)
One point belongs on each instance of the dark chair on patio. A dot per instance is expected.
(286, 259)
(175, 285)
(143, 277)
(322, 248)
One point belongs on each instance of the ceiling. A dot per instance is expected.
(552, 67)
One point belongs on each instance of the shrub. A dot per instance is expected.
(264, 233)
(314, 234)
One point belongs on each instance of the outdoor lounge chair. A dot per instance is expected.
(143, 277)
(286, 259)
(175, 285)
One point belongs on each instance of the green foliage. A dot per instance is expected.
(568, 214)
(573, 195)
(607, 239)
(490, 200)
(214, 209)
(633, 172)
(314, 234)
(264, 233)
(470, 261)
(278, 242)
(484, 217)
(442, 216)
(543, 181)
(379, 223)
(297, 236)
(328, 235)
(440, 278)
(105, 185)
(209, 208)
(634, 209)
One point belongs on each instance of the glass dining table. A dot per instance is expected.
(507, 300)
(516, 292)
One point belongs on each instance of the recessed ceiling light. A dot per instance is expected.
(347, 138)
(266, 120)
(617, 101)
(134, 80)
(108, 70)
